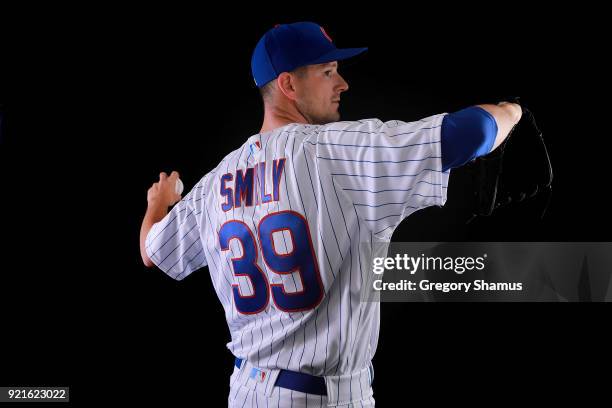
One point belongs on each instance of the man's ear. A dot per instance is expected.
(285, 82)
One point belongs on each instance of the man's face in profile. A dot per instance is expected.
(318, 91)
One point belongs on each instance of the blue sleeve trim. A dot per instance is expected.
(466, 135)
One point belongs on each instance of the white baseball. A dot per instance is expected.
(178, 187)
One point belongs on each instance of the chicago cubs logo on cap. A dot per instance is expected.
(326, 35)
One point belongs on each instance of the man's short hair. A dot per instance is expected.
(267, 90)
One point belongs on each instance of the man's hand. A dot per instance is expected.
(160, 196)
(163, 192)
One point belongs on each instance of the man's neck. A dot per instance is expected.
(275, 117)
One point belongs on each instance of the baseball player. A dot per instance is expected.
(279, 221)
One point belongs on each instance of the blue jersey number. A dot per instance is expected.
(301, 259)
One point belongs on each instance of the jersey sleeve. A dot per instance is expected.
(174, 244)
(388, 170)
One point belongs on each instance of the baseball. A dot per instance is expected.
(178, 187)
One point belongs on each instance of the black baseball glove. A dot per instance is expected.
(520, 168)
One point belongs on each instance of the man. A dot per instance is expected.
(279, 222)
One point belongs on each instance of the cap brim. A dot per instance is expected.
(338, 54)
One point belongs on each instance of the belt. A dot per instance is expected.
(306, 383)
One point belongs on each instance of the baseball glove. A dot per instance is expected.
(520, 168)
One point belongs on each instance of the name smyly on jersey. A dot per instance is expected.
(248, 187)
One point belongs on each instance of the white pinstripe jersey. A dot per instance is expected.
(279, 222)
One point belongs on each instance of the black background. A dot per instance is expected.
(97, 101)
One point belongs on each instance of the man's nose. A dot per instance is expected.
(342, 85)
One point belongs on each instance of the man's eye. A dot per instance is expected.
(328, 73)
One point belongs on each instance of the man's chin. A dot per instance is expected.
(330, 119)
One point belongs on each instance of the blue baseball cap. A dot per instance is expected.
(290, 46)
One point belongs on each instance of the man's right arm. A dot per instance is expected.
(160, 196)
